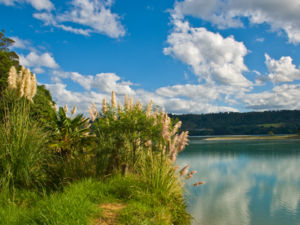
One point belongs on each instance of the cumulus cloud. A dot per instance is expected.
(282, 70)
(206, 93)
(36, 61)
(181, 105)
(212, 57)
(62, 95)
(103, 82)
(18, 43)
(280, 15)
(94, 16)
(82, 100)
(285, 96)
(37, 4)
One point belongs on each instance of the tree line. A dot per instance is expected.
(246, 123)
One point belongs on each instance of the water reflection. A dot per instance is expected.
(248, 182)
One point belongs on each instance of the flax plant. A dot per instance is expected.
(71, 141)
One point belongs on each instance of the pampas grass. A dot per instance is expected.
(24, 154)
(23, 82)
(12, 78)
(74, 110)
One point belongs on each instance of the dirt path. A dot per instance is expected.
(110, 214)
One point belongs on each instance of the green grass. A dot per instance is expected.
(79, 203)
(268, 125)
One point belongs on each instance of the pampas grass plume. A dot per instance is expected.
(126, 103)
(184, 170)
(130, 104)
(74, 110)
(92, 116)
(149, 109)
(104, 106)
(139, 105)
(33, 87)
(20, 82)
(94, 110)
(55, 107)
(27, 83)
(113, 100)
(12, 78)
(66, 108)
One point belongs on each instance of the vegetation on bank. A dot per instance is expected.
(58, 167)
(245, 137)
(80, 203)
(246, 123)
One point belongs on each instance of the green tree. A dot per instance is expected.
(8, 59)
(42, 110)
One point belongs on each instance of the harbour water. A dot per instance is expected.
(248, 182)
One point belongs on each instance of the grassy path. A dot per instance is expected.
(110, 214)
(118, 200)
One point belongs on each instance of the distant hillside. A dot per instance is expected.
(232, 123)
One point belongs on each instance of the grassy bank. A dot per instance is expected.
(245, 137)
(61, 167)
(80, 203)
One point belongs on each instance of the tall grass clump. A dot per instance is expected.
(23, 149)
(135, 139)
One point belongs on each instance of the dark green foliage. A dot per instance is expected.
(7, 59)
(121, 137)
(70, 135)
(232, 123)
(73, 145)
(42, 109)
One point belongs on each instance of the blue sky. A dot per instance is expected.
(188, 56)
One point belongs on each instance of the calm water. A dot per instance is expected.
(247, 182)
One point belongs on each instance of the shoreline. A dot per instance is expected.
(230, 138)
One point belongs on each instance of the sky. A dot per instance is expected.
(188, 56)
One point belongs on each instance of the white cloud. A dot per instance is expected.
(18, 43)
(62, 95)
(180, 105)
(38, 70)
(280, 15)
(282, 70)
(206, 92)
(41, 4)
(22, 44)
(211, 56)
(82, 100)
(37, 4)
(260, 39)
(280, 97)
(94, 16)
(103, 82)
(36, 61)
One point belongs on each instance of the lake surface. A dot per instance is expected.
(247, 182)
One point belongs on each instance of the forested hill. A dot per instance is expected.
(232, 123)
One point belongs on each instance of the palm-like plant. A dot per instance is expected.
(70, 134)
